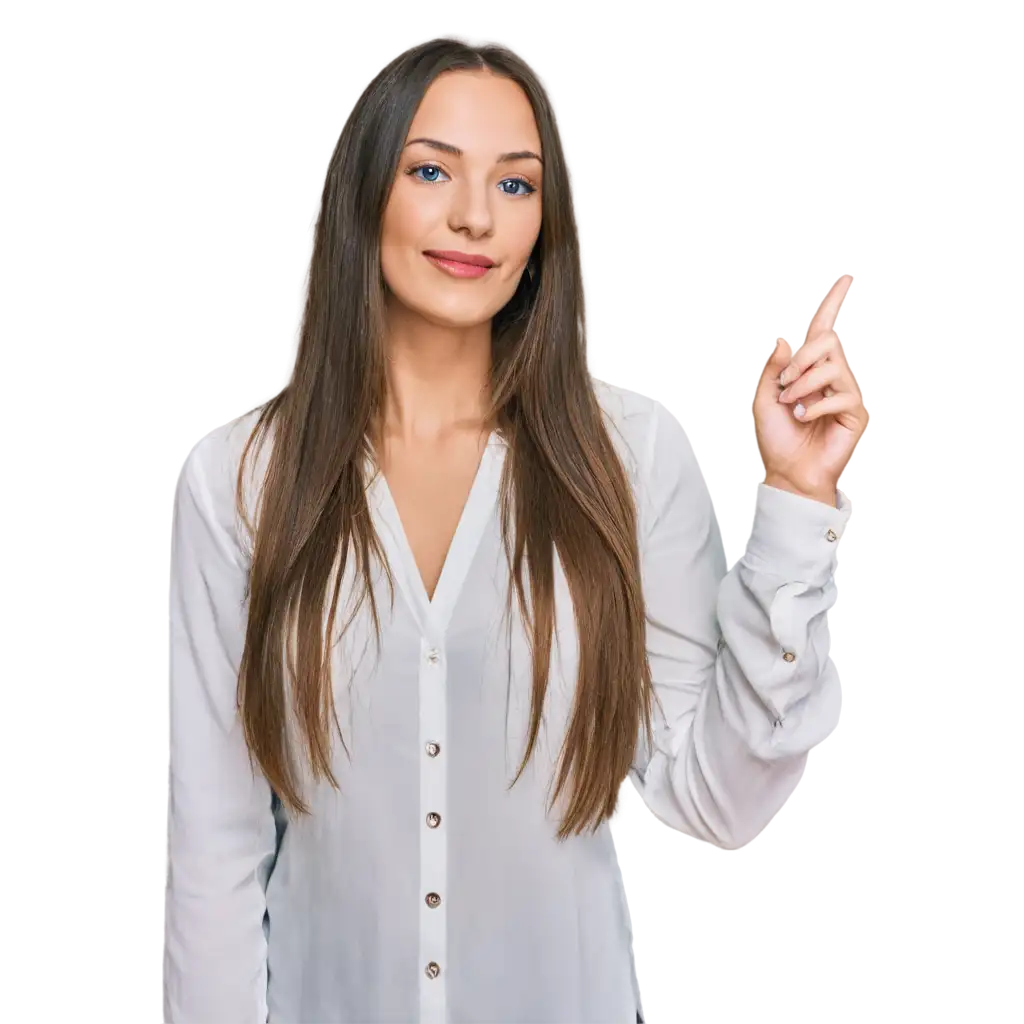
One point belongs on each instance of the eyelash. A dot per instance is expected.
(521, 195)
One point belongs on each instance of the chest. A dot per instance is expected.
(455, 665)
(430, 490)
(458, 672)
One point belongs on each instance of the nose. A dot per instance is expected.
(472, 207)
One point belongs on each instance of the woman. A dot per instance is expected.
(420, 832)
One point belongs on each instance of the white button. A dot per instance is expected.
(832, 535)
(433, 969)
(433, 656)
(789, 656)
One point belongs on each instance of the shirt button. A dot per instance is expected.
(832, 535)
(433, 969)
(433, 900)
(433, 749)
(433, 819)
(789, 656)
(433, 656)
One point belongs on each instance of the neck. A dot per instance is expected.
(438, 377)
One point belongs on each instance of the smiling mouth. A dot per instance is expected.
(457, 268)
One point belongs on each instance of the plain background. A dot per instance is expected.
(156, 168)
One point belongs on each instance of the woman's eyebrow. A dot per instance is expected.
(447, 147)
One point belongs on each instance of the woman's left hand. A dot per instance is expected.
(807, 433)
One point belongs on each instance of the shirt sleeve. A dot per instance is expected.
(221, 835)
(740, 659)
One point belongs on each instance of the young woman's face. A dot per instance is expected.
(472, 202)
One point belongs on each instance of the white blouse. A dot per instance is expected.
(426, 890)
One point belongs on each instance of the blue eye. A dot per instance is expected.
(525, 186)
(431, 174)
(428, 172)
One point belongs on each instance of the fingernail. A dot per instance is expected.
(799, 409)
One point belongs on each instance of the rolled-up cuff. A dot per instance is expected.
(795, 537)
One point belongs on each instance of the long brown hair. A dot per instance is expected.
(563, 483)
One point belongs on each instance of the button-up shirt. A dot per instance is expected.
(427, 890)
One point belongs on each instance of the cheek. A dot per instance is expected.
(402, 220)
(523, 235)
(516, 235)
(401, 230)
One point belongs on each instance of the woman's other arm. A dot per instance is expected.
(220, 824)
(740, 660)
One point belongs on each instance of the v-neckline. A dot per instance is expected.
(433, 613)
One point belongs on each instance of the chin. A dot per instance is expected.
(452, 310)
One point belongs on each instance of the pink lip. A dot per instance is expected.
(456, 268)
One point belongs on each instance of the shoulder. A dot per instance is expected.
(213, 458)
(654, 445)
(644, 428)
(208, 474)
(629, 416)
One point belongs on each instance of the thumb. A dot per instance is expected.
(778, 360)
(782, 354)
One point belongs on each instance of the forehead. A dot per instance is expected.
(482, 113)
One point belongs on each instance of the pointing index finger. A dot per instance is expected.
(824, 319)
